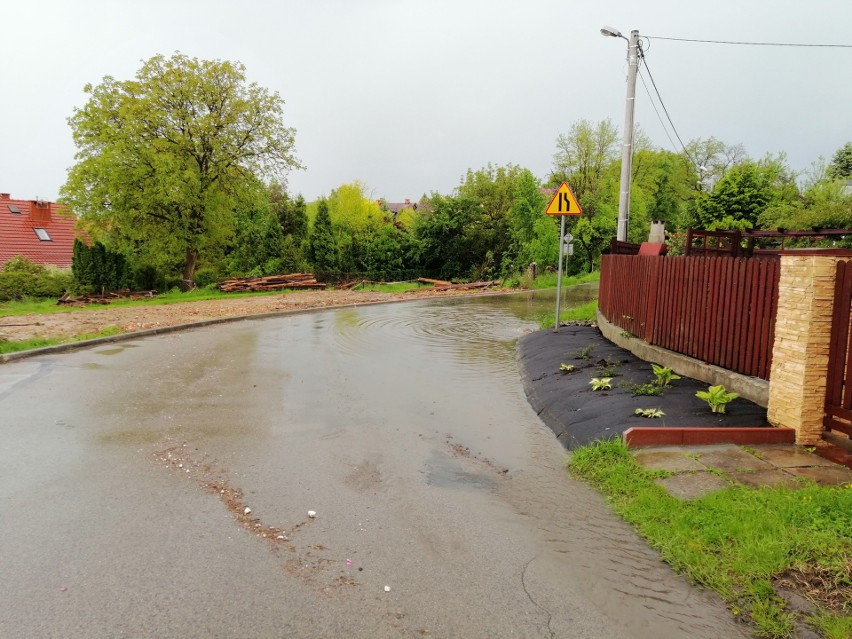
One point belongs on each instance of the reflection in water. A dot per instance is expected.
(477, 332)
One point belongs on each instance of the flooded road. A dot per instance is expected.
(160, 487)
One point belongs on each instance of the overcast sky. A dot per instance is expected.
(406, 95)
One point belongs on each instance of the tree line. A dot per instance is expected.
(179, 171)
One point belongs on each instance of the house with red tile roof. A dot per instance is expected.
(43, 232)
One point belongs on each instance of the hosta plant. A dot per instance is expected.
(662, 375)
(716, 397)
(650, 413)
(601, 383)
(566, 368)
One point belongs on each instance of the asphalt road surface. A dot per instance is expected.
(160, 487)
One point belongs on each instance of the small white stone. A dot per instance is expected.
(312, 513)
(387, 588)
(247, 510)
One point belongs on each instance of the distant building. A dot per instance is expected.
(395, 207)
(43, 232)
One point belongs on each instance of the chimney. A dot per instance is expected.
(658, 232)
(407, 201)
(5, 196)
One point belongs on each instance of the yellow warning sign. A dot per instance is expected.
(564, 202)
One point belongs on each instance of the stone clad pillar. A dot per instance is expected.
(797, 381)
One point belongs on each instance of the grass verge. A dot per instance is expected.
(584, 313)
(49, 305)
(390, 287)
(548, 280)
(741, 542)
(41, 342)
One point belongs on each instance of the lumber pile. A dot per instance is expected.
(269, 283)
(104, 297)
(470, 286)
(426, 280)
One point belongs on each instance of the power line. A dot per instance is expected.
(657, 111)
(755, 44)
(665, 110)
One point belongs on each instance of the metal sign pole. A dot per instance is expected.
(559, 276)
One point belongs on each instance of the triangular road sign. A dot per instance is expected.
(564, 202)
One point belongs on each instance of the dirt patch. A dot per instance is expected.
(73, 323)
(809, 585)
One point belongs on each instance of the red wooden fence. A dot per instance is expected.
(838, 400)
(720, 310)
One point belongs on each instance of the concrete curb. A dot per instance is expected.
(750, 388)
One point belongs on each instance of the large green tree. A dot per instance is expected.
(841, 163)
(164, 159)
(584, 154)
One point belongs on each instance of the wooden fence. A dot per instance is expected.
(720, 310)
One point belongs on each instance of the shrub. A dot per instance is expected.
(21, 278)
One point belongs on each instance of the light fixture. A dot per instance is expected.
(611, 32)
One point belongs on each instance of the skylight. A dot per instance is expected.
(14, 209)
(43, 235)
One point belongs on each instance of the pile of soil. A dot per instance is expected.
(578, 415)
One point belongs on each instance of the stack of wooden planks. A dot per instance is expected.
(103, 298)
(441, 286)
(270, 283)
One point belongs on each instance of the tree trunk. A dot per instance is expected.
(188, 281)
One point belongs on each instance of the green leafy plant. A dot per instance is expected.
(716, 397)
(601, 383)
(566, 368)
(585, 353)
(662, 375)
(646, 389)
(627, 334)
(650, 413)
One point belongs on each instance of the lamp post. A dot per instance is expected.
(627, 150)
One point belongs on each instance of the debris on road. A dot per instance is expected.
(312, 514)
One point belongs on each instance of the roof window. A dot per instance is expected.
(14, 209)
(43, 235)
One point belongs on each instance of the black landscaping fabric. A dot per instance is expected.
(567, 405)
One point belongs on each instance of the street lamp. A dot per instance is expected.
(627, 150)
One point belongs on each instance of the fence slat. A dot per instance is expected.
(717, 309)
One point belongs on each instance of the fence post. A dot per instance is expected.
(802, 341)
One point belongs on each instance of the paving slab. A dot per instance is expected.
(732, 460)
(823, 475)
(791, 457)
(765, 478)
(692, 485)
(672, 461)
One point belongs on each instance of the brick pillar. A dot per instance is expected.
(800, 352)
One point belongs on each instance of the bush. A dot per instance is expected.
(98, 268)
(20, 264)
(205, 277)
(21, 278)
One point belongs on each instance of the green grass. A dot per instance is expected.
(39, 306)
(390, 287)
(584, 312)
(736, 540)
(548, 280)
(41, 342)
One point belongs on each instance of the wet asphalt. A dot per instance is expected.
(443, 508)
